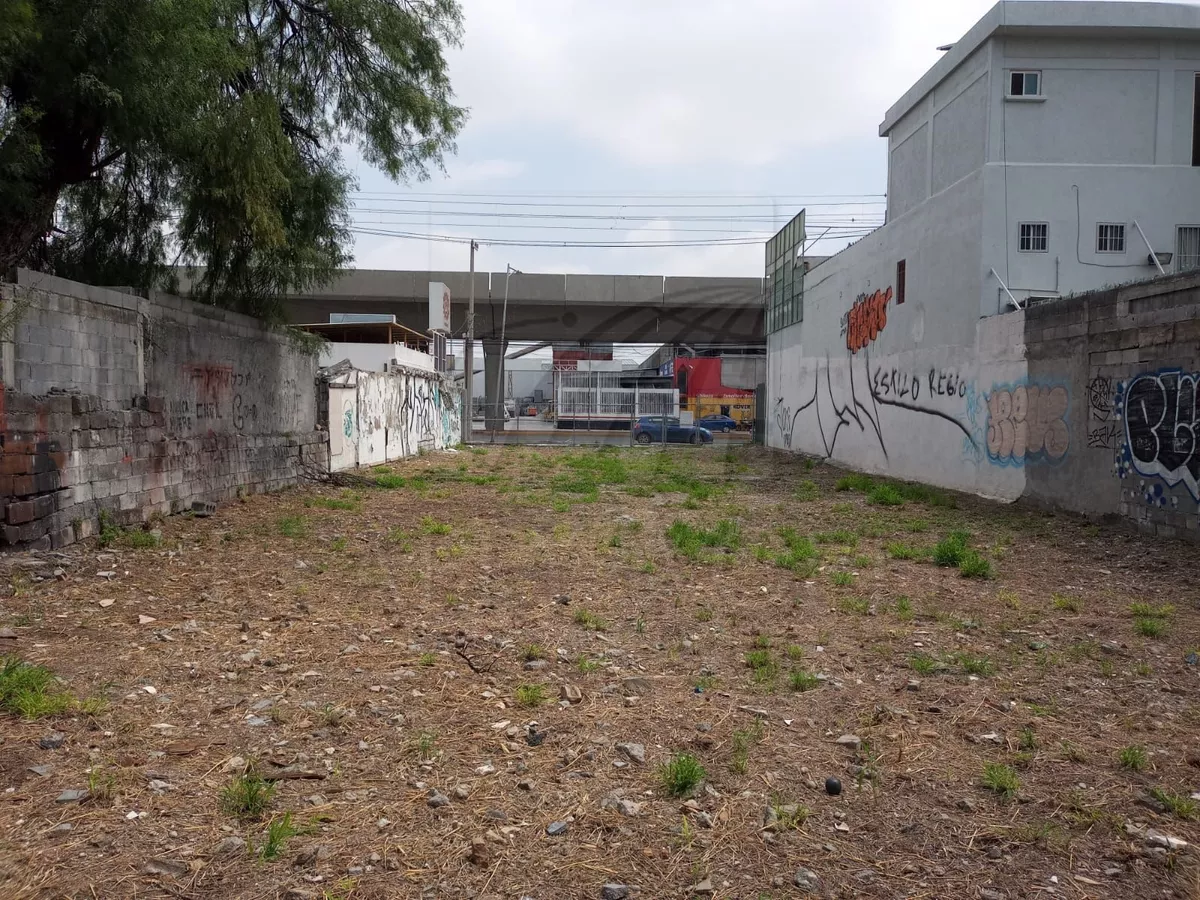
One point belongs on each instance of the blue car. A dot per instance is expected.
(718, 422)
(648, 430)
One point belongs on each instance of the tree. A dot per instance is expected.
(210, 132)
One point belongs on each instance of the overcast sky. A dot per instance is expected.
(743, 101)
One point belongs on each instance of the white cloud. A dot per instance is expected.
(680, 81)
(484, 171)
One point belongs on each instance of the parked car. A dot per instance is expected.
(718, 422)
(649, 430)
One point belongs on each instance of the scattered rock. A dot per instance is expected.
(105, 604)
(311, 855)
(41, 771)
(52, 741)
(755, 711)
(173, 868)
(146, 620)
(991, 737)
(229, 846)
(628, 808)
(991, 894)
(570, 693)
(555, 829)
(636, 752)
(702, 887)
(994, 852)
(853, 741)
(525, 785)
(808, 881)
(562, 599)
(535, 665)
(614, 892)
(966, 805)
(235, 764)
(437, 800)
(636, 687)
(913, 685)
(257, 721)
(461, 792)
(301, 894)
(71, 796)
(833, 787)
(7, 634)
(480, 853)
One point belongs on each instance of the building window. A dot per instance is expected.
(1025, 84)
(1110, 238)
(1187, 248)
(900, 272)
(1196, 122)
(1034, 237)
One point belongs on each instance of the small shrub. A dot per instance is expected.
(1027, 741)
(390, 481)
(762, 642)
(586, 665)
(430, 525)
(975, 665)
(743, 741)
(857, 606)
(590, 621)
(426, 745)
(427, 659)
(293, 526)
(800, 680)
(1181, 806)
(705, 682)
(904, 610)
(759, 659)
(843, 579)
(1001, 779)
(1132, 757)
(279, 832)
(30, 691)
(807, 491)
(648, 568)
(530, 652)
(795, 652)
(681, 775)
(856, 482)
(691, 541)
(885, 495)
(843, 536)
(1150, 627)
(530, 695)
(141, 539)
(247, 796)
(1145, 610)
(974, 565)
(1065, 603)
(704, 614)
(924, 664)
(951, 550)
(900, 550)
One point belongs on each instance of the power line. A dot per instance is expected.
(726, 195)
(760, 236)
(504, 242)
(581, 204)
(824, 219)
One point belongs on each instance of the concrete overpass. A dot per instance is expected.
(620, 308)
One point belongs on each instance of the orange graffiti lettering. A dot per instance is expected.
(867, 318)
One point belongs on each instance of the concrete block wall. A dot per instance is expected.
(1130, 358)
(121, 407)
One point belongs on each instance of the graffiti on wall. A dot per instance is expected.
(1158, 416)
(1027, 423)
(1103, 429)
(924, 393)
(863, 322)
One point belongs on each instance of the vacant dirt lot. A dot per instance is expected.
(378, 650)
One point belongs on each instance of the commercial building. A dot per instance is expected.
(1053, 150)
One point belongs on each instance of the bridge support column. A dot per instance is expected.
(493, 383)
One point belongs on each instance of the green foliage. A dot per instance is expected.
(293, 526)
(904, 610)
(279, 832)
(346, 503)
(800, 680)
(430, 525)
(807, 491)
(530, 652)
(857, 482)
(952, 550)
(211, 129)
(843, 579)
(1001, 779)
(586, 665)
(681, 775)
(590, 621)
(743, 741)
(427, 659)
(691, 540)
(530, 695)
(885, 495)
(924, 664)
(856, 606)
(1066, 603)
(30, 691)
(974, 565)
(1150, 627)
(843, 536)
(390, 481)
(1147, 611)
(1181, 806)
(247, 796)
(1132, 757)
(900, 550)
(975, 665)
(799, 553)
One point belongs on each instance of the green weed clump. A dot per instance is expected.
(681, 775)
(247, 796)
(952, 550)
(885, 495)
(856, 482)
(692, 541)
(30, 691)
(1001, 779)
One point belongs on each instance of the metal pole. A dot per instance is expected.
(469, 355)
(509, 270)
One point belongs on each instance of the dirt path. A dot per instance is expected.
(379, 652)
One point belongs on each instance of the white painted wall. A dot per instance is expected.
(376, 418)
(375, 357)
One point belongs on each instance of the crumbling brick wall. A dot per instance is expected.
(120, 407)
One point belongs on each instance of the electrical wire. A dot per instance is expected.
(505, 242)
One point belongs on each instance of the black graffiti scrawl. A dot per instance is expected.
(1160, 417)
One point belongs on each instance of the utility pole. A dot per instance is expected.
(469, 356)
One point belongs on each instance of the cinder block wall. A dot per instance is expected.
(1130, 358)
(120, 406)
